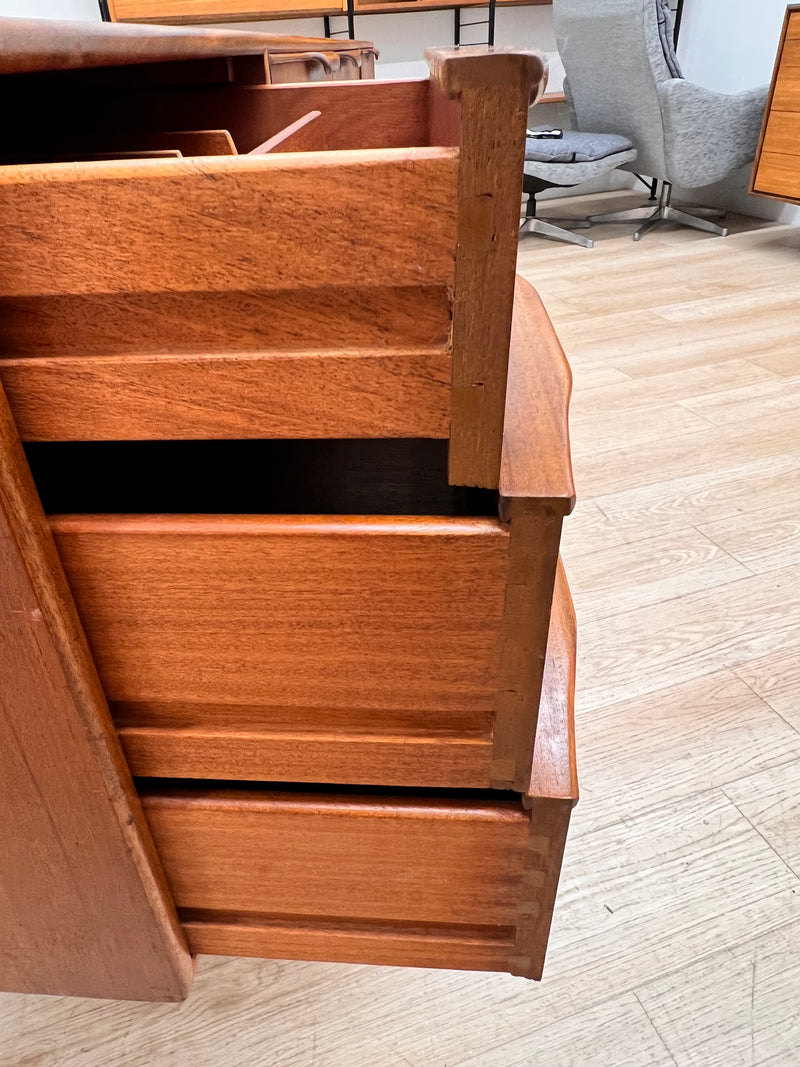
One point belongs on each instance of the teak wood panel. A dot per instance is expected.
(465, 882)
(178, 11)
(367, 320)
(85, 910)
(777, 164)
(296, 649)
(342, 857)
(198, 11)
(333, 394)
(219, 223)
(786, 93)
(536, 491)
(493, 92)
(480, 948)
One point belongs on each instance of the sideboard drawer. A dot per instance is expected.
(374, 879)
(307, 611)
(278, 648)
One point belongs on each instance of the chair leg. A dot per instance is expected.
(635, 214)
(704, 212)
(657, 217)
(546, 229)
(665, 212)
(573, 224)
(673, 214)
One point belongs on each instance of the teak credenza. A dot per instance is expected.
(283, 539)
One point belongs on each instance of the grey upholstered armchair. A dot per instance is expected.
(622, 74)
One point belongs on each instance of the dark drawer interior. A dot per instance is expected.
(273, 477)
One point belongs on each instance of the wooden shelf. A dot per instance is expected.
(200, 11)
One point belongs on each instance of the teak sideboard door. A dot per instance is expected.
(85, 911)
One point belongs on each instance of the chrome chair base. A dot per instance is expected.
(548, 229)
(665, 212)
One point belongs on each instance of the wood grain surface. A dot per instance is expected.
(341, 856)
(199, 11)
(533, 555)
(230, 643)
(455, 947)
(251, 320)
(465, 881)
(85, 910)
(536, 490)
(380, 219)
(323, 393)
(536, 461)
(552, 790)
(660, 865)
(493, 91)
(391, 114)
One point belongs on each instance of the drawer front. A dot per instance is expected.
(331, 649)
(778, 174)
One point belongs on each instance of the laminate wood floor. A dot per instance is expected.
(677, 930)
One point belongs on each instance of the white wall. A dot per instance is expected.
(402, 39)
(51, 9)
(730, 45)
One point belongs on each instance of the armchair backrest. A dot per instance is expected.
(614, 62)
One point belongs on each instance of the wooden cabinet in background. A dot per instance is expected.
(199, 11)
(776, 172)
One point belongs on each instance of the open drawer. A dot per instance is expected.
(465, 880)
(328, 263)
(322, 611)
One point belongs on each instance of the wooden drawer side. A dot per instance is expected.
(477, 948)
(353, 858)
(230, 223)
(266, 648)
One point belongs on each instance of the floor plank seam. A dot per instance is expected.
(657, 1032)
(730, 555)
(768, 843)
(772, 707)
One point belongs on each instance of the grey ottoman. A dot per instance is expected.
(568, 160)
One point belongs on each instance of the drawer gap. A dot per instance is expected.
(211, 791)
(399, 476)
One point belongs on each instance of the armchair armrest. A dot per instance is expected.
(536, 462)
(708, 135)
